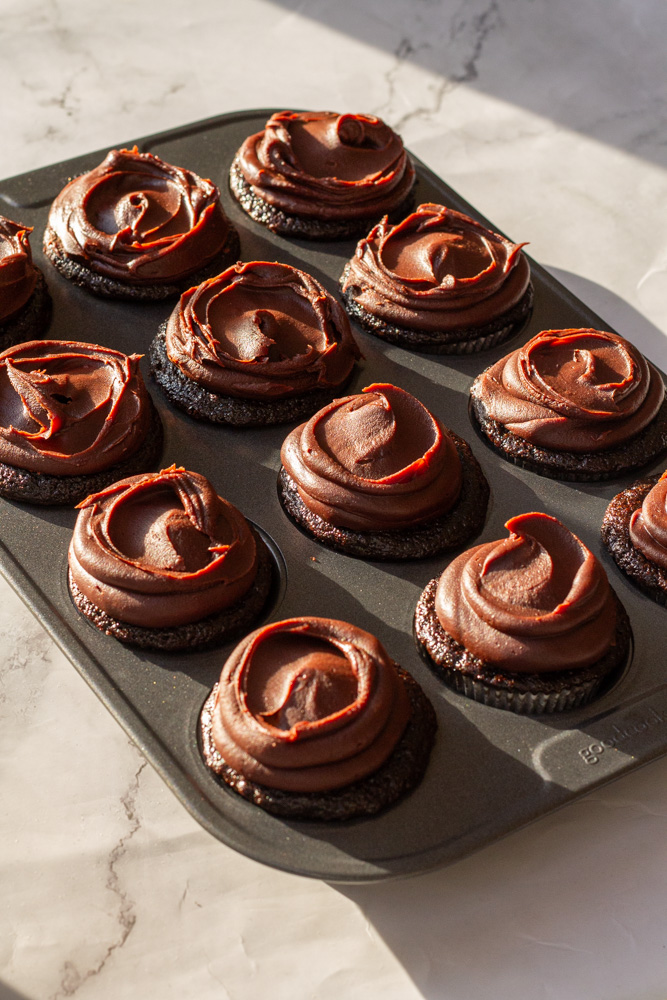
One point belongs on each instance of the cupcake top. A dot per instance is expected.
(261, 331)
(69, 409)
(18, 274)
(575, 390)
(323, 165)
(648, 524)
(162, 549)
(374, 461)
(139, 220)
(308, 705)
(535, 602)
(437, 270)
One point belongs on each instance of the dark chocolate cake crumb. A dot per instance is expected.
(448, 531)
(31, 321)
(221, 627)
(109, 288)
(523, 693)
(399, 774)
(645, 447)
(202, 404)
(49, 490)
(301, 227)
(464, 340)
(650, 578)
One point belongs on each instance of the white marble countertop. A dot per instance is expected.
(551, 119)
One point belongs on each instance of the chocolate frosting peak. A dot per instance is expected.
(261, 330)
(436, 270)
(308, 704)
(575, 390)
(648, 524)
(139, 220)
(162, 549)
(328, 166)
(535, 602)
(18, 275)
(374, 461)
(68, 408)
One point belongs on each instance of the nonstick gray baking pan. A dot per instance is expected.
(491, 772)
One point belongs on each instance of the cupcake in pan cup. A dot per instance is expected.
(438, 282)
(318, 175)
(312, 720)
(634, 529)
(376, 476)
(73, 418)
(261, 343)
(527, 623)
(138, 228)
(162, 562)
(25, 303)
(575, 404)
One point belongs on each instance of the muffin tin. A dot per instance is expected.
(491, 772)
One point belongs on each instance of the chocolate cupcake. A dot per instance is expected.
(376, 476)
(634, 529)
(262, 343)
(438, 282)
(573, 404)
(25, 303)
(73, 418)
(319, 175)
(161, 561)
(312, 720)
(138, 228)
(528, 623)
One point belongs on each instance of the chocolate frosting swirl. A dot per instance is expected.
(69, 409)
(323, 165)
(573, 390)
(436, 270)
(377, 460)
(535, 602)
(139, 220)
(648, 524)
(261, 330)
(18, 274)
(308, 705)
(161, 550)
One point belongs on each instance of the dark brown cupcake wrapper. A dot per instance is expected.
(466, 340)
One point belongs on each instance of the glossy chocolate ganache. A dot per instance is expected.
(68, 409)
(138, 220)
(648, 525)
(323, 165)
(575, 390)
(437, 270)
(534, 602)
(261, 330)
(18, 274)
(308, 705)
(374, 461)
(161, 550)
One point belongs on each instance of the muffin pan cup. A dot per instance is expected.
(491, 771)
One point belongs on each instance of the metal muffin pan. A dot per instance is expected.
(491, 772)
